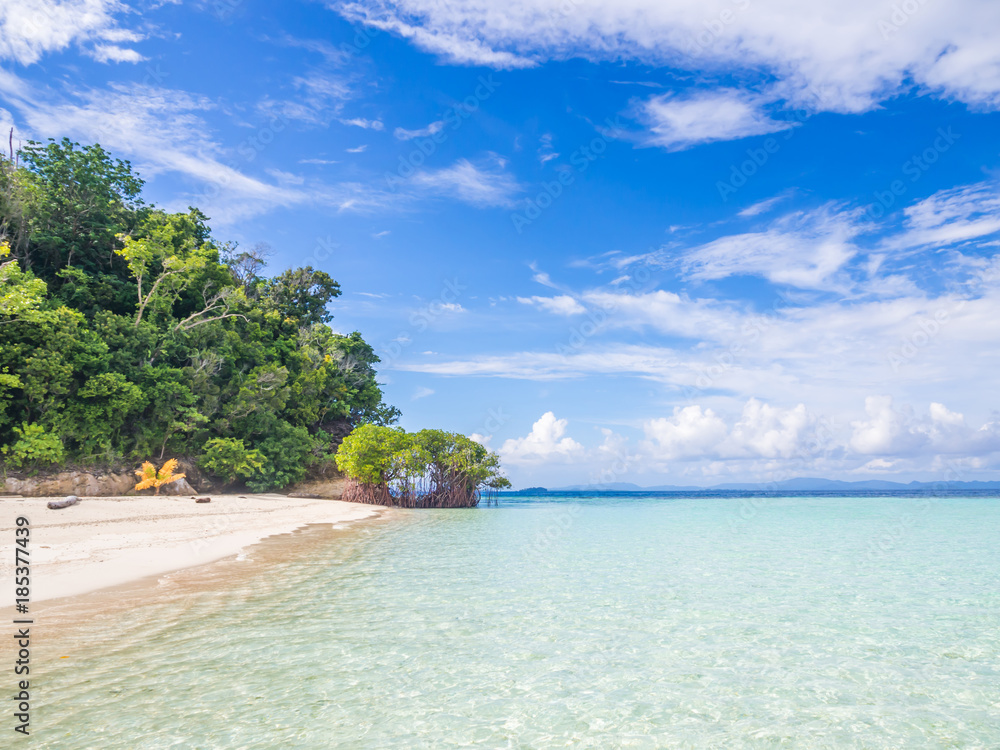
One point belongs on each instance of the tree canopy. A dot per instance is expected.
(128, 333)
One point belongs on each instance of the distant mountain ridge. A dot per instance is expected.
(800, 484)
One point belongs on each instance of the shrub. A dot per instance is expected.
(286, 452)
(231, 460)
(35, 446)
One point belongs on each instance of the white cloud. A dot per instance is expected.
(546, 443)
(761, 431)
(889, 431)
(667, 312)
(546, 151)
(677, 123)
(361, 122)
(561, 305)
(690, 432)
(422, 392)
(163, 131)
(841, 56)
(940, 413)
(113, 53)
(541, 277)
(768, 442)
(30, 29)
(475, 185)
(455, 47)
(319, 96)
(878, 466)
(357, 149)
(950, 216)
(803, 249)
(772, 432)
(761, 206)
(407, 135)
(287, 178)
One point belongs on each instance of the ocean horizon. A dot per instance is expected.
(648, 621)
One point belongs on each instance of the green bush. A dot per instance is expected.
(286, 451)
(231, 460)
(34, 447)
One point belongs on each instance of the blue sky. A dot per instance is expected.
(656, 241)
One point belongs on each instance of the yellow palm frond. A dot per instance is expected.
(150, 477)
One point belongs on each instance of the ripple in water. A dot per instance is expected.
(640, 623)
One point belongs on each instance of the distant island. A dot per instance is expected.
(801, 484)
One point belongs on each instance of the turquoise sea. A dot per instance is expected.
(665, 621)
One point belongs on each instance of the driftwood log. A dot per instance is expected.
(65, 503)
(203, 500)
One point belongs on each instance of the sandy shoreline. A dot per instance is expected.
(108, 541)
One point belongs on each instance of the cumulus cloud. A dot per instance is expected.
(892, 431)
(772, 432)
(767, 441)
(546, 443)
(761, 431)
(690, 432)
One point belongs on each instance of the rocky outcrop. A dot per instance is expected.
(70, 483)
(195, 477)
(85, 484)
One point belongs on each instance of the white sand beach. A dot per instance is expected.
(107, 541)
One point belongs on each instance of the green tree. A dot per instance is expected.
(301, 294)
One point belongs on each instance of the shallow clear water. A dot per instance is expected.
(642, 622)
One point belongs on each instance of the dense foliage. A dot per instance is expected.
(128, 333)
(428, 469)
